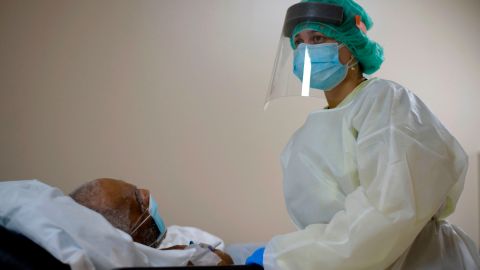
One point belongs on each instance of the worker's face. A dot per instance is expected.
(313, 37)
(131, 205)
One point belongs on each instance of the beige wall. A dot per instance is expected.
(169, 94)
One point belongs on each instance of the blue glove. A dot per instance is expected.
(256, 257)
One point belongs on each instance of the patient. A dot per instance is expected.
(126, 207)
(86, 240)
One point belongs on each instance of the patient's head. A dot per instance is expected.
(124, 205)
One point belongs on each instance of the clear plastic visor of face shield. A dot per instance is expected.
(292, 72)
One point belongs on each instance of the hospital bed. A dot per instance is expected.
(17, 252)
(41, 228)
(231, 267)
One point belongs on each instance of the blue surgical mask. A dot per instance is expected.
(153, 210)
(326, 69)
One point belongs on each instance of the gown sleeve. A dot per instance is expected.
(408, 165)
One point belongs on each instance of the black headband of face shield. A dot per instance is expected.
(310, 11)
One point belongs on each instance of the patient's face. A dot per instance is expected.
(129, 205)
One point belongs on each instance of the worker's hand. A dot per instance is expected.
(256, 257)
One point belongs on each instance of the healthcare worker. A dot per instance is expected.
(369, 179)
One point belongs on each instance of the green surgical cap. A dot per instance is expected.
(368, 52)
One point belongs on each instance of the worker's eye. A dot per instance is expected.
(318, 39)
(298, 41)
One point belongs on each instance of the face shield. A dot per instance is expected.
(306, 70)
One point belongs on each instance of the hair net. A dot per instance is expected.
(368, 52)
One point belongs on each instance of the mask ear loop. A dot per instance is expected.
(349, 63)
(160, 237)
(141, 221)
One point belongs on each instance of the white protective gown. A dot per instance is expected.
(363, 180)
(84, 239)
